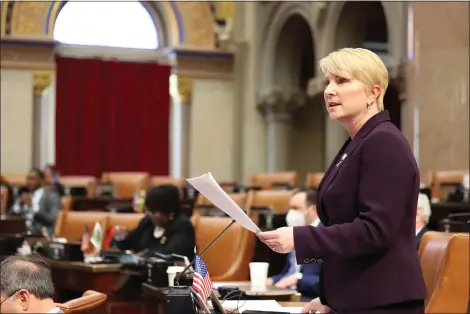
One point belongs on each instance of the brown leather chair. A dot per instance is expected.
(276, 199)
(441, 178)
(89, 301)
(431, 254)
(313, 179)
(70, 225)
(15, 179)
(269, 180)
(3, 200)
(451, 292)
(162, 180)
(67, 203)
(126, 183)
(127, 220)
(243, 200)
(88, 182)
(229, 257)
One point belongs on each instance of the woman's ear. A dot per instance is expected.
(374, 94)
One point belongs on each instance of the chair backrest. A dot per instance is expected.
(313, 179)
(431, 253)
(241, 199)
(269, 180)
(128, 220)
(88, 301)
(442, 178)
(277, 199)
(15, 179)
(3, 200)
(162, 180)
(451, 294)
(126, 183)
(228, 258)
(70, 225)
(87, 182)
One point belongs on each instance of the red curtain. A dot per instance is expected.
(112, 116)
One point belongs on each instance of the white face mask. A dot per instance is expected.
(295, 218)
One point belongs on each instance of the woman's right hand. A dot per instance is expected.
(315, 306)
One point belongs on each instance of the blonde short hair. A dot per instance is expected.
(360, 64)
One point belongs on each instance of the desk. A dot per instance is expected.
(264, 293)
(122, 205)
(442, 209)
(12, 225)
(71, 279)
(154, 299)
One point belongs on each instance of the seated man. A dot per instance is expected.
(423, 213)
(165, 229)
(26, 286)
(37, 204)
(305, 278)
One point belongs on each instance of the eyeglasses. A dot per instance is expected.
(9, 296)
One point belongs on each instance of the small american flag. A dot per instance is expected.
(202, 282)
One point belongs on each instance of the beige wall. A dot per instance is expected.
(16, 120)
(212, 129)
(438, 84)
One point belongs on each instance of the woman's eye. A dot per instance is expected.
(342, 80)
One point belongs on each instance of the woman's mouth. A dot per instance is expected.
(333, 104)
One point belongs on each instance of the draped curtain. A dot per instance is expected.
(112, 116)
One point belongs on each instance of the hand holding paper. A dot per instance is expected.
(208, 187)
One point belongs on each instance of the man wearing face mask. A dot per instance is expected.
(165, 229)
(304, 278)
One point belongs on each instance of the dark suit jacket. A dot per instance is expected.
(367, 202)
(420, 235)
(49, 207)
(309, 285)
(179, 238)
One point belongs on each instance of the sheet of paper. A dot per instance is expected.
(207, 186)
(256, 305)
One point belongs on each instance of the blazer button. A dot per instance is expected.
(314, 260)
(319, 261)
(306, 261)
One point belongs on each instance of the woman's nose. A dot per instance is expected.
(329, 90)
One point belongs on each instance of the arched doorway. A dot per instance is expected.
(363, 24)
(295, 67)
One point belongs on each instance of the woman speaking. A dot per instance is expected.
(366, 200)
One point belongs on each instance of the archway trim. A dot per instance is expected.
(169, 11)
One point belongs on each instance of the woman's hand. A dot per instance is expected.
(315, 306)
(280, 240)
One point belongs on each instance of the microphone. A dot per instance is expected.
(179, 299)
(177, 278)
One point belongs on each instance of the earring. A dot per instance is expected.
(368, 106)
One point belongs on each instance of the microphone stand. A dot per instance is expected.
(179, 298)
(202, 253)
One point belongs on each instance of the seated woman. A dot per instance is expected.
(165, 229)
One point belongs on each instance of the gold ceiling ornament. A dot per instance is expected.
(42, 80)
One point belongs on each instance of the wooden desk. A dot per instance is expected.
(12, 225)
(71, 279)
(154, 299)
(122, 205)
(265, 293)
(442, 209)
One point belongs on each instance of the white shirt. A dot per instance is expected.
(56, 310)
(418, 231)
(316, 222)
(29, 211)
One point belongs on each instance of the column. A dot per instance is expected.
(180, 91)
(276, 107)
(42, 80)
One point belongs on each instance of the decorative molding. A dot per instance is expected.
(281, 100)
(27, 53)
(185, 89)
(42, 80)
(197, 63)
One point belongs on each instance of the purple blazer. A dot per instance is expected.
(367, 202)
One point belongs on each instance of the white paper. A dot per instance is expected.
(207, 186)
(255, 305)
